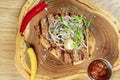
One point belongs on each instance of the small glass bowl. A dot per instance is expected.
(108, 66)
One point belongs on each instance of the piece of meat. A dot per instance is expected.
(91, 43)
(59, 13)
(72, 56)
(83, 52)
(53, 57)
(81, 55)
(37, 30)
(67, 58)
(44, 26)
(44, 42)
(56, 16)
(64, 56)
(56, 51)
(52, 46)
(50, 19)
(72, 14)
(76, 57)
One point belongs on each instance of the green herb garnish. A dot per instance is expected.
(73, 28)
(79, 18)
(65, 26)
(62, 18)
(87, 25)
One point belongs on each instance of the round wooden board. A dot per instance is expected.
(20, 45)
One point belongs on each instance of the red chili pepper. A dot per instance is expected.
(30, 15)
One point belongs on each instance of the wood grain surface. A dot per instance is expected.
(9, 11)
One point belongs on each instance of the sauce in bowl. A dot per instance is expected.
(99, 69)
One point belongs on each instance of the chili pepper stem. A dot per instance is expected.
(27, 44)
(47, 1)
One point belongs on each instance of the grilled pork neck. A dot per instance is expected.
(65, 56)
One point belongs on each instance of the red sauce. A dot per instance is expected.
(98, 70)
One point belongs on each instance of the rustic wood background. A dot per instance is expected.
(9, 12)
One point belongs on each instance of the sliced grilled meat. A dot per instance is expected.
(44, 26)
(81, 55)
(50, 19)
(44, 42)
(76, 57)
(58, 53)
(67, 58)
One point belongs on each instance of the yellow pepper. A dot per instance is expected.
(33, 61)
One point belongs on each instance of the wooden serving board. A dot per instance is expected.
(20, 45)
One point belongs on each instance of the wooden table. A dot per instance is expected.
(9, 12)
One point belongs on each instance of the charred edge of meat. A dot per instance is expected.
(89, 55)
(72, 57)
(56, 16)
(81, 54)
(52, 47)
(72, 13)
(37, 30)
(40, 29)
(62, 56)
(47, 22)
(39, 35)
(69, 14)
(60, 13)
(65, 13)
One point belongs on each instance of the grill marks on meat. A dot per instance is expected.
(52, 46)
(71, 56)
(48, 21)
(62, 55)
(40, 29)
(66, 57)
(44, 26)
(81, 55)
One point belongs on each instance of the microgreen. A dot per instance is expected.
(62, 18)
(75, 27)
(66, 27)
(47, 1)
(77, 36)
(87, 24)
(86, 35)
(79, 18)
